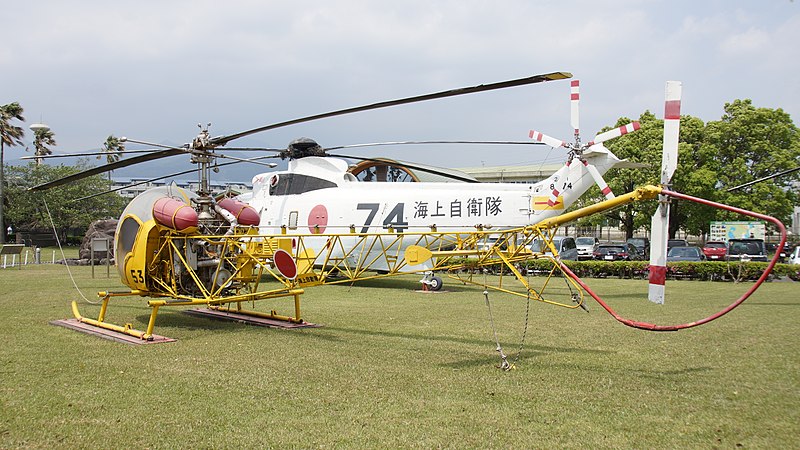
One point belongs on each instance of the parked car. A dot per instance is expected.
(687, 253)
(617, 251)
(747, 249)
(586, 246)
(794, 257)
(785, 251)
(642, 246)
(677, 243)
(715, 250)
(567, 249)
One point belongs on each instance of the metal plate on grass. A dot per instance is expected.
(248, 319)
(74, 324)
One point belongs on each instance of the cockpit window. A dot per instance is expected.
(127, 234)
(295, 183)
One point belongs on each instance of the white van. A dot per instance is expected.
(794, 258)
(586, 246)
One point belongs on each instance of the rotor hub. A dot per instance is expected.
(301, 148)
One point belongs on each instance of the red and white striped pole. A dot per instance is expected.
(660, 220)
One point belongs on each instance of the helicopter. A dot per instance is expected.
(317, 223)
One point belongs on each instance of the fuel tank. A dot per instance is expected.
(175, 214)
(244, 213)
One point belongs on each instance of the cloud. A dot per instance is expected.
(154, 69)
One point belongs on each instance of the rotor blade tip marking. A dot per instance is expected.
(658, 275)
(672, 110)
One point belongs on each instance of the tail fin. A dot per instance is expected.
(660, 221)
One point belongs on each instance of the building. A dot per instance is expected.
(513, 174)
(131, 187)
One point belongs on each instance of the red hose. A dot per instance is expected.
(729, 308)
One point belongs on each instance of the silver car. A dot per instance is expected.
(565, 245)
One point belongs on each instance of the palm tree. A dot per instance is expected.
(112, 148)
(42, 137)
(12, 136)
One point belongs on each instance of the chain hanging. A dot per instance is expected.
(504, 364)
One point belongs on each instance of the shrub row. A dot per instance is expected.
(703, 271)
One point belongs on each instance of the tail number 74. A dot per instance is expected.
(394, 219)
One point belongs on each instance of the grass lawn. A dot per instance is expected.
(396, 368)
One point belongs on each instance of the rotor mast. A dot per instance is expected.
(203, 155)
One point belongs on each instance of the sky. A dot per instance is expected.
(152, 70)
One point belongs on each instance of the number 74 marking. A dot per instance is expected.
(394, 219)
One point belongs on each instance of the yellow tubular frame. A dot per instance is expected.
(348, 255)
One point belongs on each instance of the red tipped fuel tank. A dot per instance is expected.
(175, 214)
(244, 213)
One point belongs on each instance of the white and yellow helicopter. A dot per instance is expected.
(319, 222)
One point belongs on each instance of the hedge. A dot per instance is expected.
(702, 271)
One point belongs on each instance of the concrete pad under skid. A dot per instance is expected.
(248, 319)
(74, 324)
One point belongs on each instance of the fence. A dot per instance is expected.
(17, 255)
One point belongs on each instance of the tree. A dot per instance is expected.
(11, 136)
(42, 137)
(29, 209)
(112, 148)
(695, 175)
(746, 144)
(643, 146)
(752, 143)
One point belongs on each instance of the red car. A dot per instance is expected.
(715, 250)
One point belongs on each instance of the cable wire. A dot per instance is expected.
(64, 257)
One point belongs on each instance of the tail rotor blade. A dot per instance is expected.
(549, 140)
(574, 98)
(615, 133)
(660, 220)
(601, 183)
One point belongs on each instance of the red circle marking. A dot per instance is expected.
(285, 264)
(318, 219)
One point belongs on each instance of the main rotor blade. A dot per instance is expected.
(411, 166)
(378, 144)
(222, 140)
(253, 149)
(769, 177)
(97, 153)
(215, 166)
(105, 168)
(247, 160)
